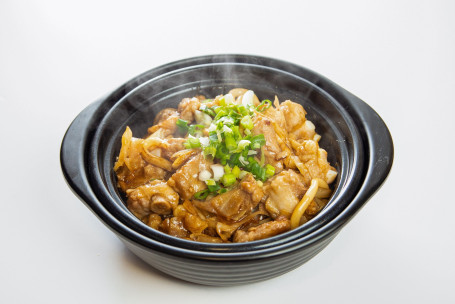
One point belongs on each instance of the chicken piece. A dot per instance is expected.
(152, 172)
(130, 180)
(232, 205)
(314, 160)
(250, 186)
(286, 154)
(165, 127)
(263, 125)
(164, 114)
(237, 203)
(284, 192)
(192, 218)
(296, 124)
(268, 229)
(226, 230)
(173, 145)
(155, 196)
(185, 181)
(162, 147)
(187, 107)
(194, 223)
(276, 115)
(153, 220)
(174, 226)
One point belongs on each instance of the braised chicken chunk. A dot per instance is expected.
(155, 196)
(186, 179)
(284, 191)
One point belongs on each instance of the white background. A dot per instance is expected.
(57, 57)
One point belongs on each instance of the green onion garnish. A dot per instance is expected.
(264, 105)
(228, 179)
(192, 129)
(230, 142)
(247, 122)
(269, 170)
(201, 194)
(182, 125)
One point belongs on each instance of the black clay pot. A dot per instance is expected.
(358, 143)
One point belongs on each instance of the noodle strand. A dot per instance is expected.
(301, 207)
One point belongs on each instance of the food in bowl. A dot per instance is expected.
(355, 137)
(227, 169)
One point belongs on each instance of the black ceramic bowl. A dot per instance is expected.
(358, 143)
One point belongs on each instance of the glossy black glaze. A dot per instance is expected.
(356, 138)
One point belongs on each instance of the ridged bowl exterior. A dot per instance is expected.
(227, 273)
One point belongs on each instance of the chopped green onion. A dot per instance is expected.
(226, 129)
(245, 153)
(210, 150)
(192, 143)
(213, 137)
(234, 159)
(228, 179)
(218, 135)
(243, 144)
(243, 174)
(214, 188)
(269, 170)
(201, 194)
(222, 190)
(236, 132)
(227, 169)
(242, 110)
(236, 171)
(226, 121)
(255, 169)
(222, 153)
(210, 182)
(243, 161)
(257, 141)
(182, 125)
(230, 141)
(193, 128)
(247, 122)
(208, 111)
(220, 113)
(264, 105)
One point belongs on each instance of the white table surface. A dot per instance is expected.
(56, 57)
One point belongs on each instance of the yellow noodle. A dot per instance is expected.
(323, 193)
(299, 210)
